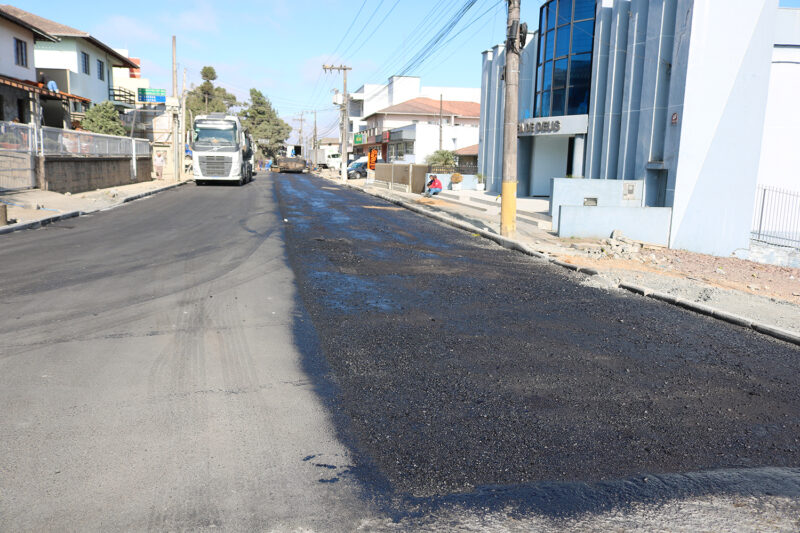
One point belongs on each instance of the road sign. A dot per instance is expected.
(158, 96)
(262, 141)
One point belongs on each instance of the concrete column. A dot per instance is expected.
(578, 151)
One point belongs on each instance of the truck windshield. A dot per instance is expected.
(215, 133)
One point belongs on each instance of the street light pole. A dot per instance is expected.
(508, 198)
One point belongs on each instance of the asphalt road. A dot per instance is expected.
(155, 372)
(295, 356)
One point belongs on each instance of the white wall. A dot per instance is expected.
(548, 160)
(780, 155)
(459, 94)
(453, 138)
(727, 83)
(8, 32)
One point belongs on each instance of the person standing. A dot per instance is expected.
(158, 164)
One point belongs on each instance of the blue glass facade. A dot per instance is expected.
(564, 65)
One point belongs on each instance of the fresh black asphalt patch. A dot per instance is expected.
(461, 365)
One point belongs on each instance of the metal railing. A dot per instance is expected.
(776, 219)
(122, 95)
(450, 169)
(82, 143)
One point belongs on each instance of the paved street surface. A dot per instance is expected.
(294, 356)
(156, 373)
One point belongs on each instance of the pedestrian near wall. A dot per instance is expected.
(158, 164)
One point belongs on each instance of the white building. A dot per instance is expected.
(410, 131)
(23, 96)
(371, 98)
(661, 105)
(78, 63)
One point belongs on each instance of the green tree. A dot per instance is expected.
(444, 158)
(103, 118)
(262, 122)
(206, 98)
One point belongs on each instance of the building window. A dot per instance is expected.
(564, 66)
(20, 53)
(101, 70)
(84, 62)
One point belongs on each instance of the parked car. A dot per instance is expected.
(357, 170)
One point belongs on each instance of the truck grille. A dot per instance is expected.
(215, 165)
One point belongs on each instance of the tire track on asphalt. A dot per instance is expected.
(177, 373)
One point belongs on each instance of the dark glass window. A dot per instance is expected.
(582, 36)
(581, 70)
(559, 101)
(545, 104)
(578, 100)
(564, 11)
(560, 74)
(551, 16)
(564, 67)
(543, 21)
(541, 49)
(548, 76)
(584, 9)
(562, 41)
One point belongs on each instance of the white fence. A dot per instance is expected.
(20, 143)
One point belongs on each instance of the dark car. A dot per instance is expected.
(357, 170)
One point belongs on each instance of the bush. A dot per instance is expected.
(456, 178)
(444, 158)
(103, 118)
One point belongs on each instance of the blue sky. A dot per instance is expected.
(279, 46)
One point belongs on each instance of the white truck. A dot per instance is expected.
(221, 150)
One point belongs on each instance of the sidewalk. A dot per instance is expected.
(740, 291)
(33, 208)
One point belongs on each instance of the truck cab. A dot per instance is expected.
(221, 150)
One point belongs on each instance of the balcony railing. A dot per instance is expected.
(122, 95)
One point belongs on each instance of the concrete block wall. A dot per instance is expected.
(78, 174)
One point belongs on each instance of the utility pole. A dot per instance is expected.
(314, 142)
(440, 122)
(300, 136)
(176, 163)
(345, 116)
(182, 125)
(508, 195)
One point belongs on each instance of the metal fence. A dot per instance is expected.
(20, 143)
(83, 143)
(776, 219)
(17, 145)
(450, 169)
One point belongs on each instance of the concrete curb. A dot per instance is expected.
(154, 191)
(764, 329)
(39, 223)
(34, 224)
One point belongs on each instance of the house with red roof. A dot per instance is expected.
(410, 131)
